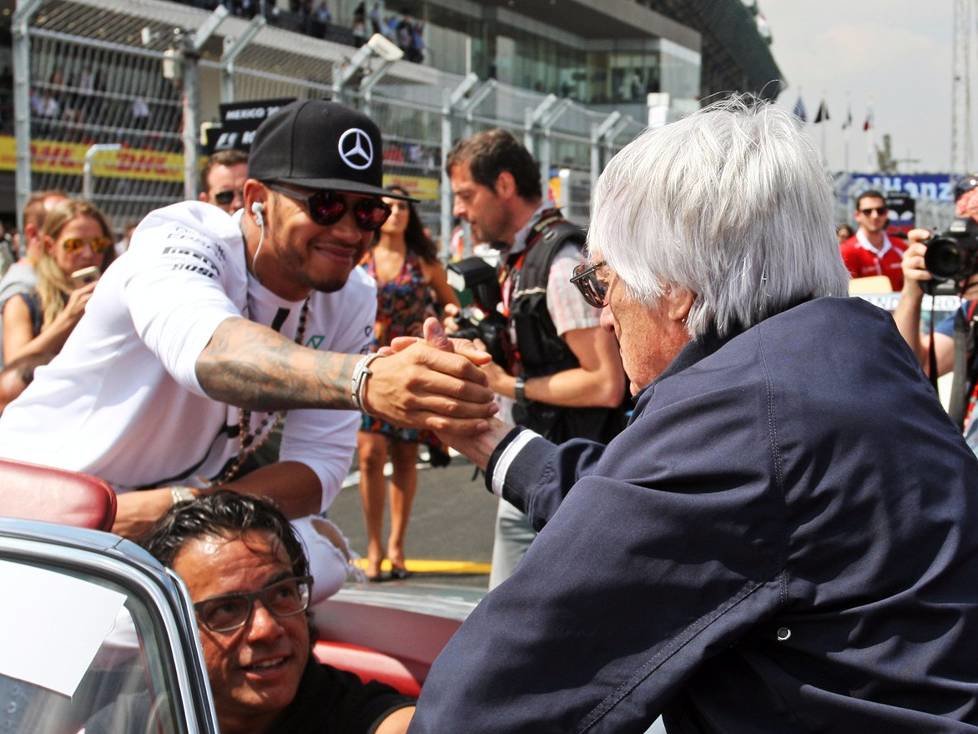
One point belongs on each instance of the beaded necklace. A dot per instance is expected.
(250, 441)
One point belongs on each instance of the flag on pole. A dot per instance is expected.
(823, 113)
(799, 110)
(869, 120)
(848, 121)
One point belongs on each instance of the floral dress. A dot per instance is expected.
(403, 303)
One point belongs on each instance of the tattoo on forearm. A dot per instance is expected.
(251, 366)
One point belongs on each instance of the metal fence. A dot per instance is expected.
(134, 78)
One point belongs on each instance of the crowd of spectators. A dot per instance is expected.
(78, 109)
(315, 18)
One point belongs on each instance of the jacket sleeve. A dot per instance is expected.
(664, 552)
(542, 473)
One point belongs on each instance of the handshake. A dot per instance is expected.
(437, 383)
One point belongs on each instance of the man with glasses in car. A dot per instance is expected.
(248, 578)
(222, 180)
(213, 329)
(871, 251)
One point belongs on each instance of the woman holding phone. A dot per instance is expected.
(77, 248)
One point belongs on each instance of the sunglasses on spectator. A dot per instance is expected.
(224, 198)
(880, 210)
(284, 598)
(328, 207)
(586, 279)
(98, 244)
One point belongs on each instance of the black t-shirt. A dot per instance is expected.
(329, 701)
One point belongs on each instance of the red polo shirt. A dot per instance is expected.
(863, 260)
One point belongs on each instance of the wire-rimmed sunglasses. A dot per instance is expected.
(328, 207)
(586, 279)
(228, 612)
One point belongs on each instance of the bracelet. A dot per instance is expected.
(358, 383)
(519, 390)
(182, 494)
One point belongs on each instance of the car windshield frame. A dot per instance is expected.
(162, 596)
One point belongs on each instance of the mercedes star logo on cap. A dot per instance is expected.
(356, 150)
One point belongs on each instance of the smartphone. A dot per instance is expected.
(85, 275)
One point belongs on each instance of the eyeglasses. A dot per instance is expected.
(224, 198)
(284, 598)
(329, 207)
(878, 210)
(98, 244)
(586, 279)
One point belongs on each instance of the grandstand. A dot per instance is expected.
(98, 74)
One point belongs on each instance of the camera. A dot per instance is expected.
(483, 322)
(953, 255)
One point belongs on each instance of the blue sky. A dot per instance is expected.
(894, 56)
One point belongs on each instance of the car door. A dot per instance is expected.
(95, 636)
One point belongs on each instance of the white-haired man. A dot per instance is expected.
(765, 547)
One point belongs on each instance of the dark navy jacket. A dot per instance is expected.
(784, 539)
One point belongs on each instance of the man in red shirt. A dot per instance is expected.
(871, 251)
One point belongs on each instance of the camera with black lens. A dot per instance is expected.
(483, 321)
(953, 255)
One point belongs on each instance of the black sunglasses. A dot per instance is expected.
(881, 210)
(586, 279)
(228, 612)
(224, 198)
(328, 207)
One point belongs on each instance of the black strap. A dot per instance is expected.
(931, 352)
(540, 256)
(280, 316)
(959, 386)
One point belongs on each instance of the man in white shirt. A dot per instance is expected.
(211, 323)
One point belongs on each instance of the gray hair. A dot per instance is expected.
(730, 203)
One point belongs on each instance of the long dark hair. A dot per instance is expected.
(417, 241)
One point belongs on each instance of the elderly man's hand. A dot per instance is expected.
(424, 385)
(500, 381)
(477, 446)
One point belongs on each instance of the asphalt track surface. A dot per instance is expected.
(449, 536)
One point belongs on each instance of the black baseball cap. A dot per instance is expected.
(320, 145)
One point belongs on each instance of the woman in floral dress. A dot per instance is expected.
(410, 281)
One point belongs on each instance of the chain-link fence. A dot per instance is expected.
(87, 89)
(128, 75)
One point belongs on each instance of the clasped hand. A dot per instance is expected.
(433, 383)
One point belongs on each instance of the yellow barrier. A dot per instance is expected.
(52, 156)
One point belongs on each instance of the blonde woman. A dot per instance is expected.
(76, 237)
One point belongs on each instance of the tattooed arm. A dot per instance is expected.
(251, 366)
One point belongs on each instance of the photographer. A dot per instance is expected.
(936, 353)
(562, 370)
